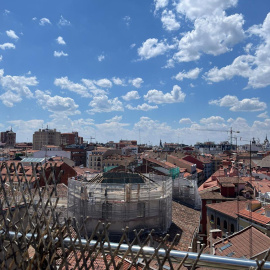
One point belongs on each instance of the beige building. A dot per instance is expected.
(46, 137)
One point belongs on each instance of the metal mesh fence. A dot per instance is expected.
(36, 234)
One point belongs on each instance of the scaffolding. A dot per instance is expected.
(186, 191)
(122, 199)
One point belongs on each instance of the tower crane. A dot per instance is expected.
(231, 131)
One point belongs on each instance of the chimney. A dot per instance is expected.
(214, 234)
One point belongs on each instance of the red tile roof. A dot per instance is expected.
(245, 243)
(254, 216)
(229, 208)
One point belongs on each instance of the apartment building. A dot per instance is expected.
(46, 137)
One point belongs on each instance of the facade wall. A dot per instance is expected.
(8, 137)
(216, 220)
(46, 137)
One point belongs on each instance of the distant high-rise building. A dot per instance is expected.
(8, 137)
(71, 138)
(46, 137)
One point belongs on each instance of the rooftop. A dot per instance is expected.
(229, 208)
(243, 244)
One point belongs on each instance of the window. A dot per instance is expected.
(141, 209)
(218, 221)
(212, 219)
(106, 210)
(225, 226)
(232, 228)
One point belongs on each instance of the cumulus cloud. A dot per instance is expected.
(212, 35)
(7, 45)
(102, 103)
(56, 104)
(256, 67)
(263, 115)
(131, 95)
(65, 83)
(12, 34)
(118, 81)
(212, 120)
(245, 105)
(15, 87)
(169, 21)
(136, 82)
(63, 21)
(185, 121)
(158, 97)
(152, 48)
(193, 9)
(144, 107)
(103, 83)
(60, 41)
(44, 21)
(101, 57)
(191, 74)
(1, 58)
(160, 4)
(239, 67)
(59, 54)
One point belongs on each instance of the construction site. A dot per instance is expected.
(186, 191)
(122, 199)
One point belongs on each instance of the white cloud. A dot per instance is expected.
(158, 97)
(63, 21)
(152, 48)
(191, 74)
(193, 9)
(59, 54)
(101, 57)
(118, 81)
(12, 34)
(185, 121)
(6, 12)
(57, 104)
(1, 58)
(15, 88)
(144, 107)
(245, 105)
(160, 4)
(263, 115)
(136, 82)
(239, 67)
(127, 20)
(131, 95)
(213, 35)
(256, 68)
(60, 41)
(103, 83)
(65, 83)
(169, 21)
(102, 103)
(7, 45)
(212, 120)
(44, 21)
(132, 45)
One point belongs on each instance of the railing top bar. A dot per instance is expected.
(204, 260)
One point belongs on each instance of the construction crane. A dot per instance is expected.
(91, 138)
(220, 130)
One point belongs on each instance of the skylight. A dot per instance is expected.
(226, 246)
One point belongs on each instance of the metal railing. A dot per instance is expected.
(35, 233)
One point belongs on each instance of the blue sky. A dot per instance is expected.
(145, 70)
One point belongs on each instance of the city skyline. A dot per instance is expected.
(145, 70)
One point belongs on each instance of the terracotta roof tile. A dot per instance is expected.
(245, 243)
(254, 216)
(229, 208)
